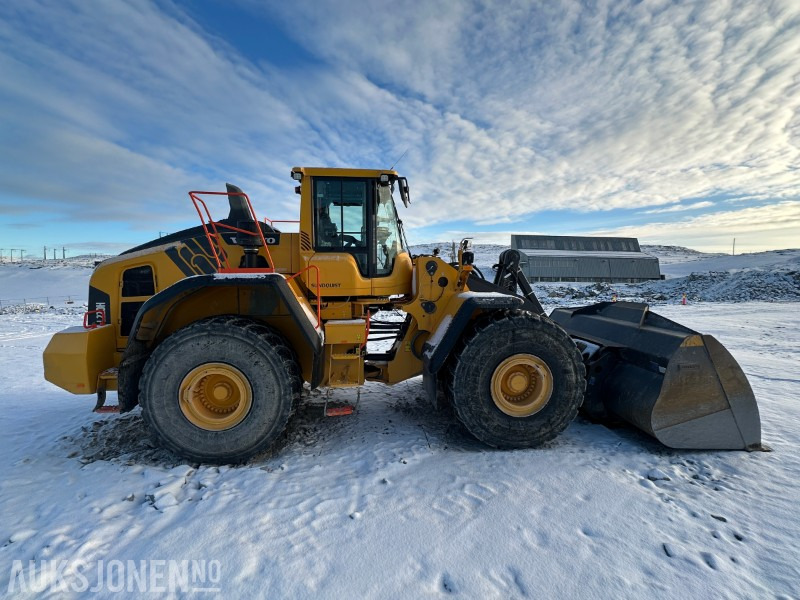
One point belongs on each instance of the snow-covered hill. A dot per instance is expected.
(770, 260)
(667, 255)
(41, 284)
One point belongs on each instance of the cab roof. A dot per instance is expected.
(334, 172)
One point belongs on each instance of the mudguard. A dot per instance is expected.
(268, 290)
(451, 329)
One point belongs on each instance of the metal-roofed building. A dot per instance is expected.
(574, 258)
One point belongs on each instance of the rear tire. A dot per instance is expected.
(516, 381)
(220, 390)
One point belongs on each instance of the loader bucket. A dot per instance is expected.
(682, 387)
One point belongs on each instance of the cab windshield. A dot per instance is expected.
(388, 239)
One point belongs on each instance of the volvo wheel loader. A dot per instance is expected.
(214, 330)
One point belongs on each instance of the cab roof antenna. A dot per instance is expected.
(398, 160)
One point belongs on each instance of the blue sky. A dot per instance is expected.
(675, 122)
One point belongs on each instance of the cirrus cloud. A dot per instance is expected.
(509, 111)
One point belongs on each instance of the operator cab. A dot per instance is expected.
(353, 215)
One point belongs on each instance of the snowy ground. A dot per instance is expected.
(397, 501)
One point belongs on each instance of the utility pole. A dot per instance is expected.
(45, 252)
(54, 253)
(12, 255)
(1, 254)
(734, 247)
(63, 253)
(21, 254)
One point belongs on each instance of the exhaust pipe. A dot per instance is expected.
(681, 387)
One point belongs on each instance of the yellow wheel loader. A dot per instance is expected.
(214, 330)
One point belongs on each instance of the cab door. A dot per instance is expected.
(342, 209)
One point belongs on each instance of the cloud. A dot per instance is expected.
(755, 228)
(112, 111)
(680, 207)
(564, 106)
(120, 123)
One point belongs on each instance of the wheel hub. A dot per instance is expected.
(522, 385)
(215, 396)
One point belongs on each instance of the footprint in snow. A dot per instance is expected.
(447, 584)
(710, 560)
(469, 500)
(720, 518)
(657, 475)
(21, 535)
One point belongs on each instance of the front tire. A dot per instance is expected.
(516, 381)
(219, 390)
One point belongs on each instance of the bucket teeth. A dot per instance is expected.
(683, 388)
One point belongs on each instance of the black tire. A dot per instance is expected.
(492, 341)
(259, 353)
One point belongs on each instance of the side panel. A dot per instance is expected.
(399, 282)
(338, 275)
(170, 263)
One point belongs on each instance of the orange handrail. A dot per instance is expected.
(94, 325)
(269, 221)
(318, 293)
(195, 196)
(198, 202)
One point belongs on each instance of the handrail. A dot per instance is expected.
(94, 325)
(195, 196)
(366, 334)
(214, 225)
(269, 221)
(318, 293)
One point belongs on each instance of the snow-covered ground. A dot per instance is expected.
(398, 501)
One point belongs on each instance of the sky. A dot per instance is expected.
(674, 122)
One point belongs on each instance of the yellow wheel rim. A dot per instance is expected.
(215, 396)
(522, 385)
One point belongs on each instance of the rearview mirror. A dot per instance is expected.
(405, 195)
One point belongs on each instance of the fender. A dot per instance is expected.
(439, 346)
(258, 296)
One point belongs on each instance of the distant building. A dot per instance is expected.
(571, 258)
